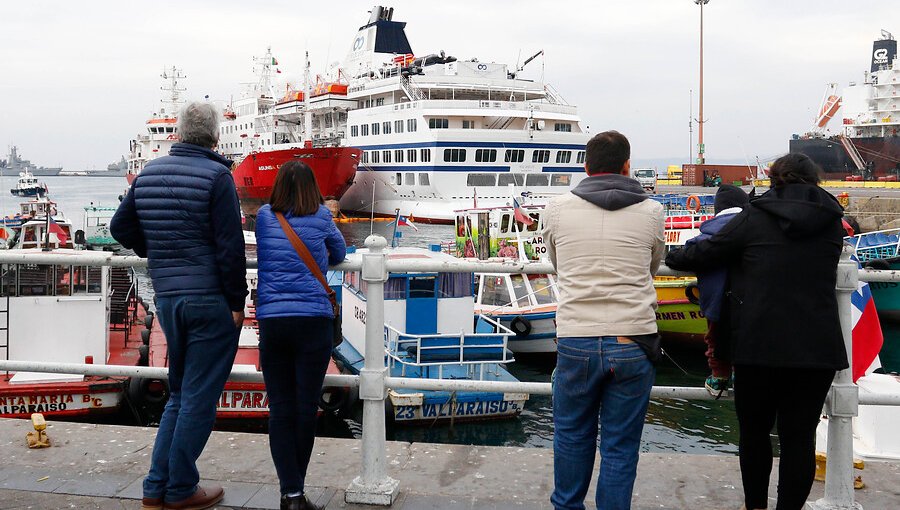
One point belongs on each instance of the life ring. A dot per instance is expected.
(520, 326)
(691, 295)
(696, 201)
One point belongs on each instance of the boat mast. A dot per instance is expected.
(172, 102)
(307, 116)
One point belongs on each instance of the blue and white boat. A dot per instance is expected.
(429, 333)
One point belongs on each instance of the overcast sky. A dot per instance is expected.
(78, 79)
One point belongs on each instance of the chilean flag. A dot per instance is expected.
(867, 336)
(60, 233)
(403, 221)
(520, 215)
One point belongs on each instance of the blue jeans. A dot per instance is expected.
(597, 376)
(202, 342)
(294, 354)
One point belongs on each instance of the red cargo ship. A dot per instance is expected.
(334, 168)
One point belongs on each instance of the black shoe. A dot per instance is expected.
(298, 503)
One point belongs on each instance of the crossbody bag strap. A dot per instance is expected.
(306, 257)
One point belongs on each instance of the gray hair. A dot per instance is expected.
(198, 124)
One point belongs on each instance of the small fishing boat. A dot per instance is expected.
(678, 314)
(28, 186)
(524, 303)
(880, 250)
(95, 228)
(40, 302)
(424, 337)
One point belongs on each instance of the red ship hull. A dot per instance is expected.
(334, 167)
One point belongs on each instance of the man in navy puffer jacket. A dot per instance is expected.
(730, 200)
(182, 213)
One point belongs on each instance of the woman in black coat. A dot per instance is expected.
(782, 254)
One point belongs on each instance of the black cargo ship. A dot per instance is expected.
(873, 132)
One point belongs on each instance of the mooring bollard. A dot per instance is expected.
(373, 486)
(842, 403)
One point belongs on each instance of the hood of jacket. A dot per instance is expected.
(715, 224)
(801, 209)
(195, 151)
(610, 191)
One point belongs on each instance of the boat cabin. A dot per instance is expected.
(429, 318)
(34, 234)
(504, 292)
(497, 232)
(55, 313)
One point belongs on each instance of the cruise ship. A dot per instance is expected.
(868, 144)
(439, 134)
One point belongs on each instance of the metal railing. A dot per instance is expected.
(374, 485)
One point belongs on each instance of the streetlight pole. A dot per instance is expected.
(701, 149)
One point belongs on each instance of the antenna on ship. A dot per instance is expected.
(173, 102)
(263, 67)
(307, 115)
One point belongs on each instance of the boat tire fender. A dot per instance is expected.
(139, 391)
(148, 320)
(520, 326)
(144, 356)
(145, 337)
(878, 265)
(692, 293)
(337, 399)
(693, 203)
(79, 238)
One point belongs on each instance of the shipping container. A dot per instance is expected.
(695, 175)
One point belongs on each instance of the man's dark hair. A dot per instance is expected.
(295, 190)
(607, 152)
(794, 169)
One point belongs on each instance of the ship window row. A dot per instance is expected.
(156, 130)
(227, 130)
(438, 123)
(409, 179)
(385, 127)
(505, 179)
(562, 126)
(461, 156)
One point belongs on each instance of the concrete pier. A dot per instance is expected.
(102, 466)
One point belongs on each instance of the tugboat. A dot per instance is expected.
(424, 337)
(28, 186)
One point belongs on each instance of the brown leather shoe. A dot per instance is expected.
(151, 503)
(203, 498)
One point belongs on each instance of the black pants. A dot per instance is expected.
(294, 354)
(792, 398)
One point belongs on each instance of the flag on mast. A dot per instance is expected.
(867, 335)
(519, 213)
(403, 221)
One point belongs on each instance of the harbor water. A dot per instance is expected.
(673, 425)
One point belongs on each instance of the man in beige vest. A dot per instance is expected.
(605, 240)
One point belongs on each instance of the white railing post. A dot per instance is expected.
(373, 486)
(842, 403)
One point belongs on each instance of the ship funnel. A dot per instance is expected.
(376, 43)
(884, 51)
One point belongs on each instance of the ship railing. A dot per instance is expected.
(487, 345)
(374, 485)
(879, 244)
(554, 96)
(496, 106)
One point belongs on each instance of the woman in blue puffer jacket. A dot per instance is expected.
(295, 321)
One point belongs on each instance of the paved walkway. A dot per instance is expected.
(101, 466)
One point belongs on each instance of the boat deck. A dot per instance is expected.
(102, 466)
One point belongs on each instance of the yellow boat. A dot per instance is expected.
(678, 315)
